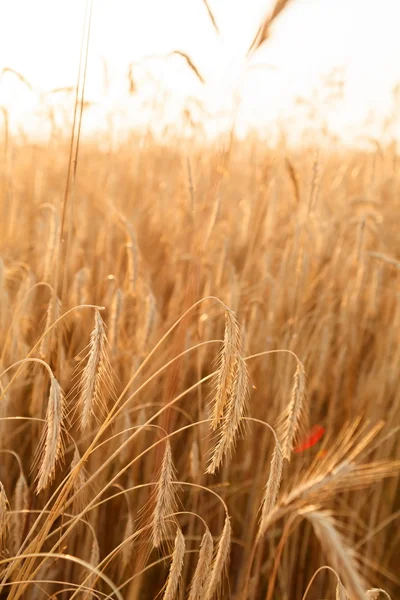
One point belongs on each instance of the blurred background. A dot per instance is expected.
(329, 69)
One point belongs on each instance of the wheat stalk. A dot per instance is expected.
(201, 575)
(52, 445)
(176, 567)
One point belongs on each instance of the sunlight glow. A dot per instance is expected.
(358, 38)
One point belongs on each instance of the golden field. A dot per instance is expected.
(174, 321)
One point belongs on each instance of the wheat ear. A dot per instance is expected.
(293, 418)
(232, 423)
(166, 497)
(374, 594)
(20, 503)
(175, 570)
(201, 575)
(221, 560)
(95, 375)
(272, 487)
(52, 446)
(224, 379)
(336, 549)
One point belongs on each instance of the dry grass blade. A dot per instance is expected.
(232, 423)
(96, 375)
(190, 64)
(263, 32)
(272, 487)
(221, 561)
(292, 420)
(52, 446)
(336, 549)
(224, 380)
(166, 497)
(176, 567)
(210, 14)
(4, 517)
(202, 573)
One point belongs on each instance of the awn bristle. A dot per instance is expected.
(95, 375)
(293, 418)
(176, 567)
(336, 549)
(230, 428)
(224, 380)
(221, 560)
(272, 487)
(203, 568)
(166, 497)
(52, 446)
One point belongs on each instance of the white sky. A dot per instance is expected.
(41, 40)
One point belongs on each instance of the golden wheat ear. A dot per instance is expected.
(96, 376)
(232, 424)
(226, 368)
(272, 487)
(51, 448)
(221, 561)
(166, 502)
(202, 573)
(336, 549)
(293, 419)
(176, 567)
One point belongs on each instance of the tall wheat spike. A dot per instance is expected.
(224, 380)
(232, 423)
(337, 551)
(272, 487)
(51, 449)
(221, 560)
(293, 418)
(166, 502)
(20, 503)
(96, 375)
(176, 567)
(202, 573)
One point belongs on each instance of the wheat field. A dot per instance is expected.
(172, 328)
